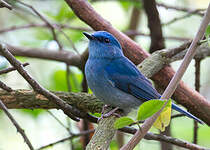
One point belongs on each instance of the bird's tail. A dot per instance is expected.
(179, 109)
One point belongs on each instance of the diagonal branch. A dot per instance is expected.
(67, 109)
(19, 129)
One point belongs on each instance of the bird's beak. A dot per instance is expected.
(89, 36)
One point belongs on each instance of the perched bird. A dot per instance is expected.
(114, 79)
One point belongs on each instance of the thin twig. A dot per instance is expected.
(5, 87)
(68, 110)
(43, 25)
(136, 33)
(196, 11)
(172, 52)
(69, 40)
(172, 85)
(44, 20)
(67, 138)
(11, 69)
(5, 4)
(51, 114)
(19, 129)
(177, 19)
(197, 88)
(65, 56)
(177, 115)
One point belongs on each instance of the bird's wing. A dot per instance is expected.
(124, 75)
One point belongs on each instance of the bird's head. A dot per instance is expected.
(103, 44)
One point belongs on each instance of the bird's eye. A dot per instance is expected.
(106, 40)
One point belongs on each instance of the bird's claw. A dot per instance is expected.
(112, 112)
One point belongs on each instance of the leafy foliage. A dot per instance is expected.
(146, 110)
(59, 82)
(165, 117)
(122, 122)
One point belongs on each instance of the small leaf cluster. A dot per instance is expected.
(146, 110)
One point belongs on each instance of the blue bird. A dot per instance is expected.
(114, 79)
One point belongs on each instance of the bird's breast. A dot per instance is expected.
(104, 90)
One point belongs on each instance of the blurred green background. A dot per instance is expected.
(39, 125)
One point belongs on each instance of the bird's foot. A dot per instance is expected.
(112, 112)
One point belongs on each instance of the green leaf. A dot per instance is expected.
(149, 108)
(207, 33)
(59, 81)
(122, 122)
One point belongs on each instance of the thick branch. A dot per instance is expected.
(20, 99)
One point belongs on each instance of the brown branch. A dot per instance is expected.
(67, 138)
(136, 33)
(7, 70)
(134, 20)
(5, 87)
(183, 95)
(196, 11)
(33, 25)
(67, 57)
(5, 4)
(177, 115)
(17, 126)
(177, 19)
(157, 40)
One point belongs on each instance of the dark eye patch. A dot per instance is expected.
(106, 40)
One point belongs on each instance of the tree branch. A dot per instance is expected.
(5, 4)
(19, 129)
(195, 11)
(67, 57)
(157, 40)
(7, 70)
